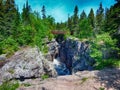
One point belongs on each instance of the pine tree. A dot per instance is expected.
(1, 19)
(75, 17)
(99, 19)
(43, 12)
(114, 22)
(91, 18)
(9, 17)
(75, 20)
(83, 15)
(70, 25)
(106, 23)
(26, 14)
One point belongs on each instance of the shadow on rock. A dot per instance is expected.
(110, 78)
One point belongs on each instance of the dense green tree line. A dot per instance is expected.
(22, 29)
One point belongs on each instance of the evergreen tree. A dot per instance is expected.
(43, 12)
(83, 15)
(1, 18)
(114, 22)
(26, 14)
(91, 18)
(85, 29)
(75, 20)
(9, 17)
(99, 19)
(70, 25)
(106, 24)
(17, 23)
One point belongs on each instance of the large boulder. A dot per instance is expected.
(27, 63)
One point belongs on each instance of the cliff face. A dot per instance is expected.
(71, 56)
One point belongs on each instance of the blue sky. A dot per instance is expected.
(60, 9)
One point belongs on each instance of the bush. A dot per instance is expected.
(8, 46)
(101, 48)
(101, 43)
(107, 63)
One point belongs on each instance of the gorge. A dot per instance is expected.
(63, 58)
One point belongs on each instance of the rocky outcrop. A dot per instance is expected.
(27, 63)
(75, 54)
(53, 50)
(71, 56)
(106, 79)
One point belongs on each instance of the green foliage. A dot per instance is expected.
(9, 86)
(101, 42)
(45, 76)
(43, 12)
(84, 80)
(107, 63)
(113, 22)
(91, 18)
(26, 14)
(25, 36)
(99, 46)
(26, 84)
(8, 46)
(99, 19)
(45, 49)
(83, 15)
(85, 30)
(101, 88)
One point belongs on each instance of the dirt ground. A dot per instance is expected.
(107, 79)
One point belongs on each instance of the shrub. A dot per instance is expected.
(99, 46)
(107, 63)
(8, 46)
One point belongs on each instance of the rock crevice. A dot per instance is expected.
(71, 56)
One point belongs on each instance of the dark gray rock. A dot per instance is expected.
(75, 55)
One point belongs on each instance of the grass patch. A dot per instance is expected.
(84, 80)
(9, 86)
(101, 88)
(45, 76)
(26, 84)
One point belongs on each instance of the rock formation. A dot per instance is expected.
(72, 56)
(27, 63)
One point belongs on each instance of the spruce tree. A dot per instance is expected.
(43, 12)
(114, 22)
(26, 14)
(9, 17)
(1, 19)
(70, 25)
(83, 15)
(75, 20)
(99, 19)
(106, 23)
(91, 18)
